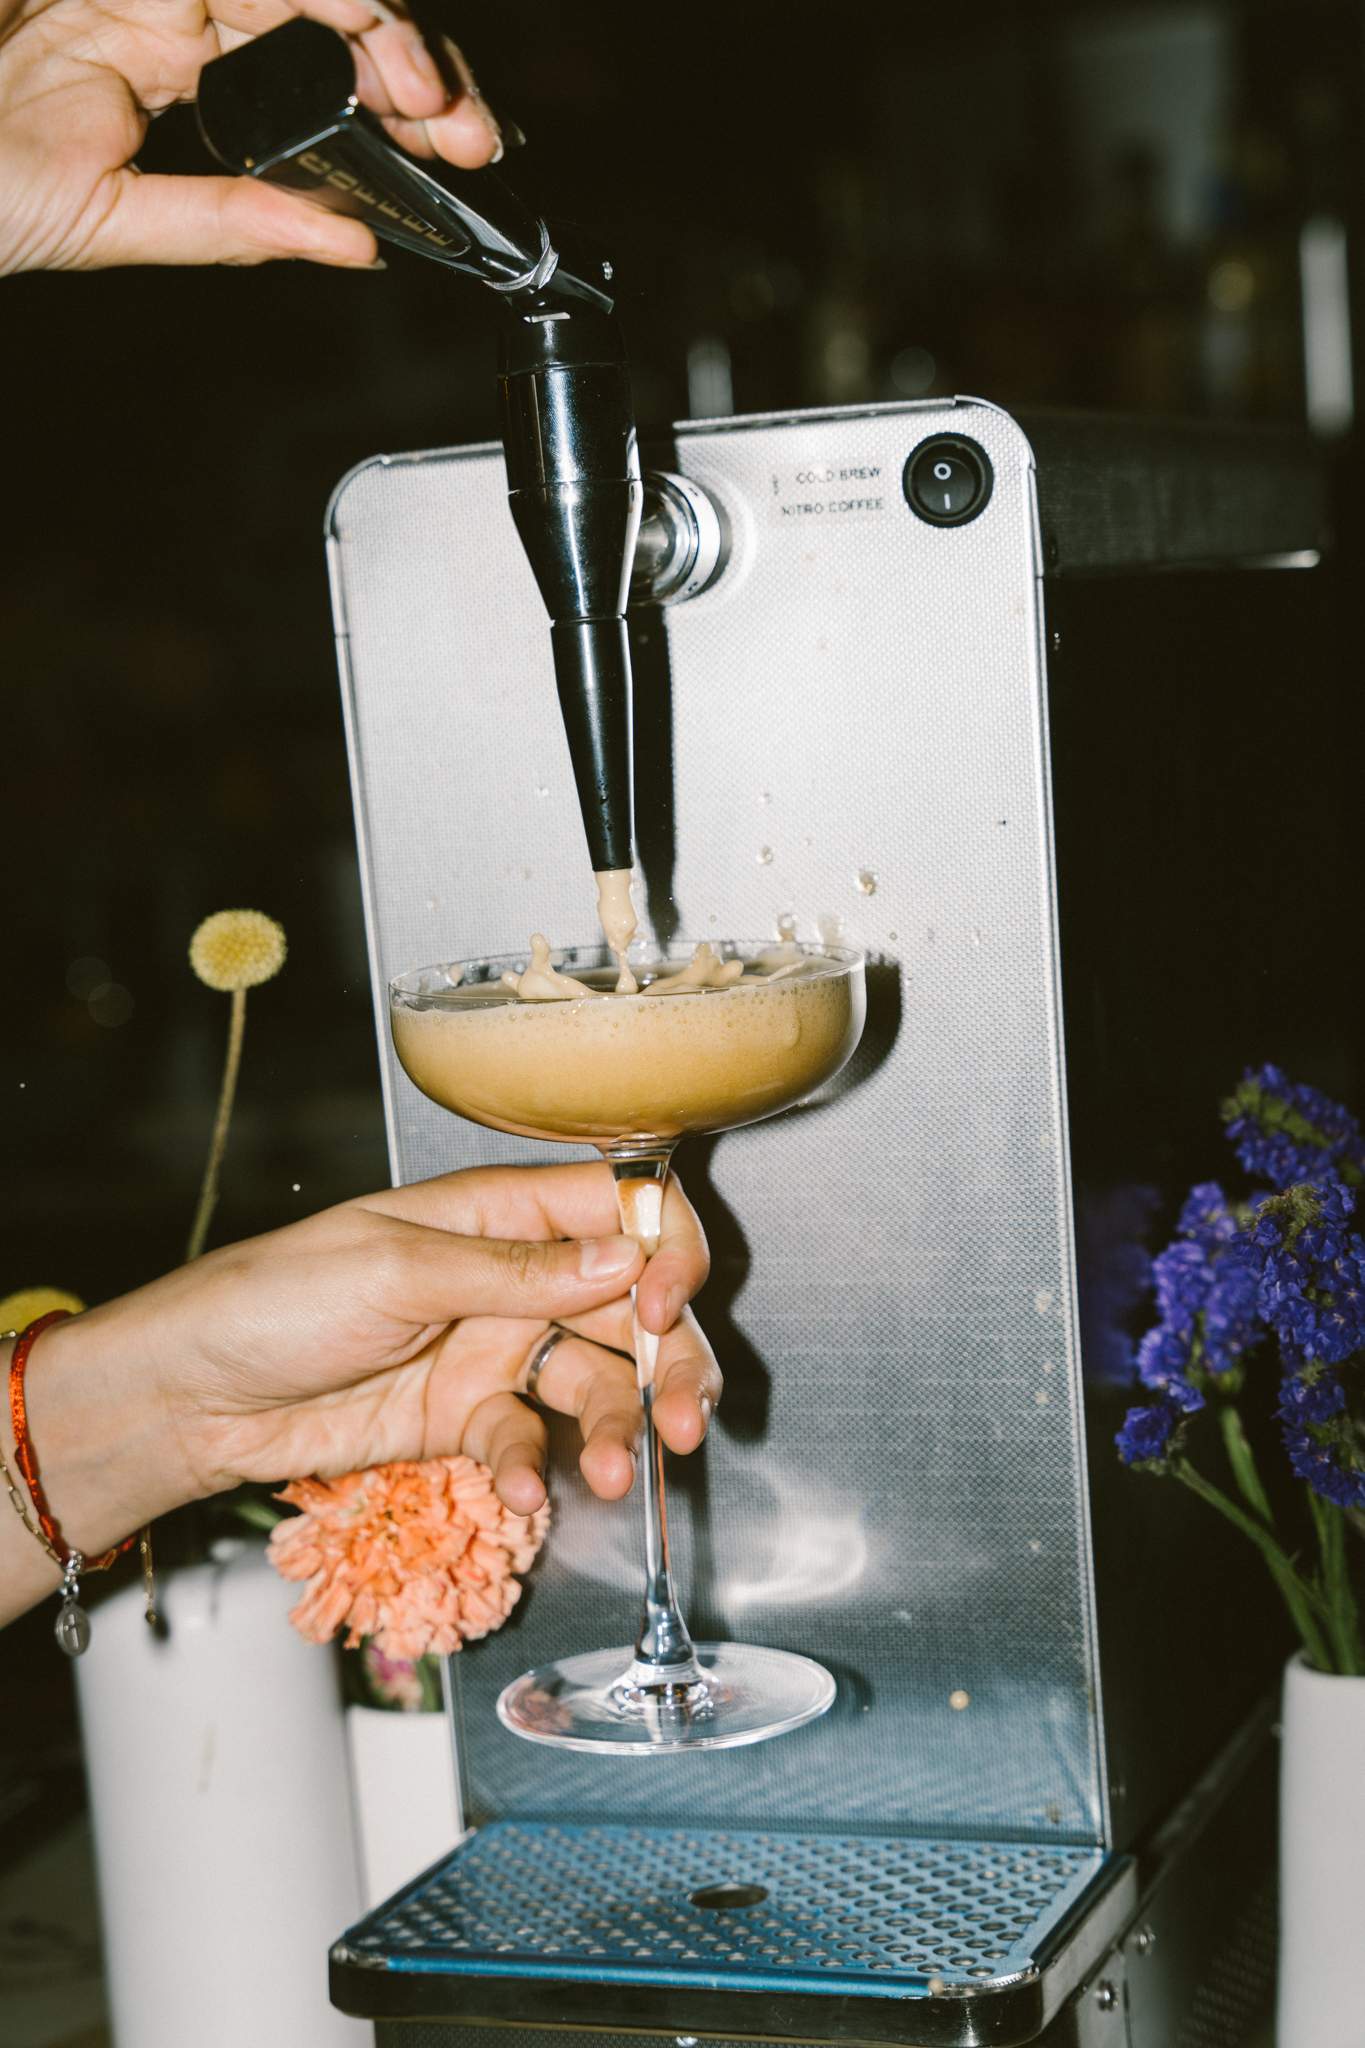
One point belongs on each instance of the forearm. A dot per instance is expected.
(107, 1459)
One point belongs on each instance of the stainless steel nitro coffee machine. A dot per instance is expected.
(996, 699)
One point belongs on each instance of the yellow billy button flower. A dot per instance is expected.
(25, 1306)
(237, 949)
(233, 950)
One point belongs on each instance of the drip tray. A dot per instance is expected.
(868, 1938)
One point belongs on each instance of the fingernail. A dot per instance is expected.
(673, 1306)
(470, 113)
(601, 1257)
(707, 1407)
(491, 123)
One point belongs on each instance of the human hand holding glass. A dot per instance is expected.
(632, 1075)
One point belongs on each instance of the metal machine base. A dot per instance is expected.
(818, 1936)
(566, 1937)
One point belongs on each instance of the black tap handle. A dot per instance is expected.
(285, 107)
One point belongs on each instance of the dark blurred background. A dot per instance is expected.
(1151, 208)
(1126, 207)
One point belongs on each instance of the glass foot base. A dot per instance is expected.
(596, 1701)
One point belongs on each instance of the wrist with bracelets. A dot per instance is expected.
(73, 1625)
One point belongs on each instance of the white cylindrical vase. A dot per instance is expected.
(1321, 1998)
(406, 1802)
(221, 1803)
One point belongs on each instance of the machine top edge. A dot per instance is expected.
(1116, 492)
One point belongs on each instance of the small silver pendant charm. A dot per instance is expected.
(73, 1627)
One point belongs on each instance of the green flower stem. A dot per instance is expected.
(1242, 1459)
(256, 1514)
(208, 1193)
(1299, 1597)
(1343, 1619)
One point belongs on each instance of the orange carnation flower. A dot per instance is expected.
(418, 1558)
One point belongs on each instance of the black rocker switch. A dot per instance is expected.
(947, 480)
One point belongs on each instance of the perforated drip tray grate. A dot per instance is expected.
(530, 1919)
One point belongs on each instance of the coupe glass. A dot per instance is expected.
(632, 1075)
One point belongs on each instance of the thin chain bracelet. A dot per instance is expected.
(72, 1628)
(17, 1503)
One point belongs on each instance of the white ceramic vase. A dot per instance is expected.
(1321, 2000)
(221, 1803)
(406, 1803)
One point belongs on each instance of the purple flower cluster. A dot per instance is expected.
(1284, 1131)
(1206, 1291)
(1287, 1265)
(1312, 1286)
(1145, 1438)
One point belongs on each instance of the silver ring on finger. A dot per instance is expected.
(540, 1358)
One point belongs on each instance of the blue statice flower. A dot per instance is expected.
(1207, 1216)
(1208, 1295)
(1283, 1131)
(1322, 1451)
(1115, 1271)
(1312, 1284)
(1163, 1363)
(1182, 1275)
(1232, 1308)
(1146, 1435)
(1313, 1396)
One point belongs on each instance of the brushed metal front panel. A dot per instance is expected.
(854, 733)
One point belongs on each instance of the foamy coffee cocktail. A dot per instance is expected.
(587, 1046)
(598, 1067)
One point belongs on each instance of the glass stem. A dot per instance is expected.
(664, 1656)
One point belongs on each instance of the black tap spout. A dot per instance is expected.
(573, 479)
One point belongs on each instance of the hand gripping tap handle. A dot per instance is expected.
(285, 107)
